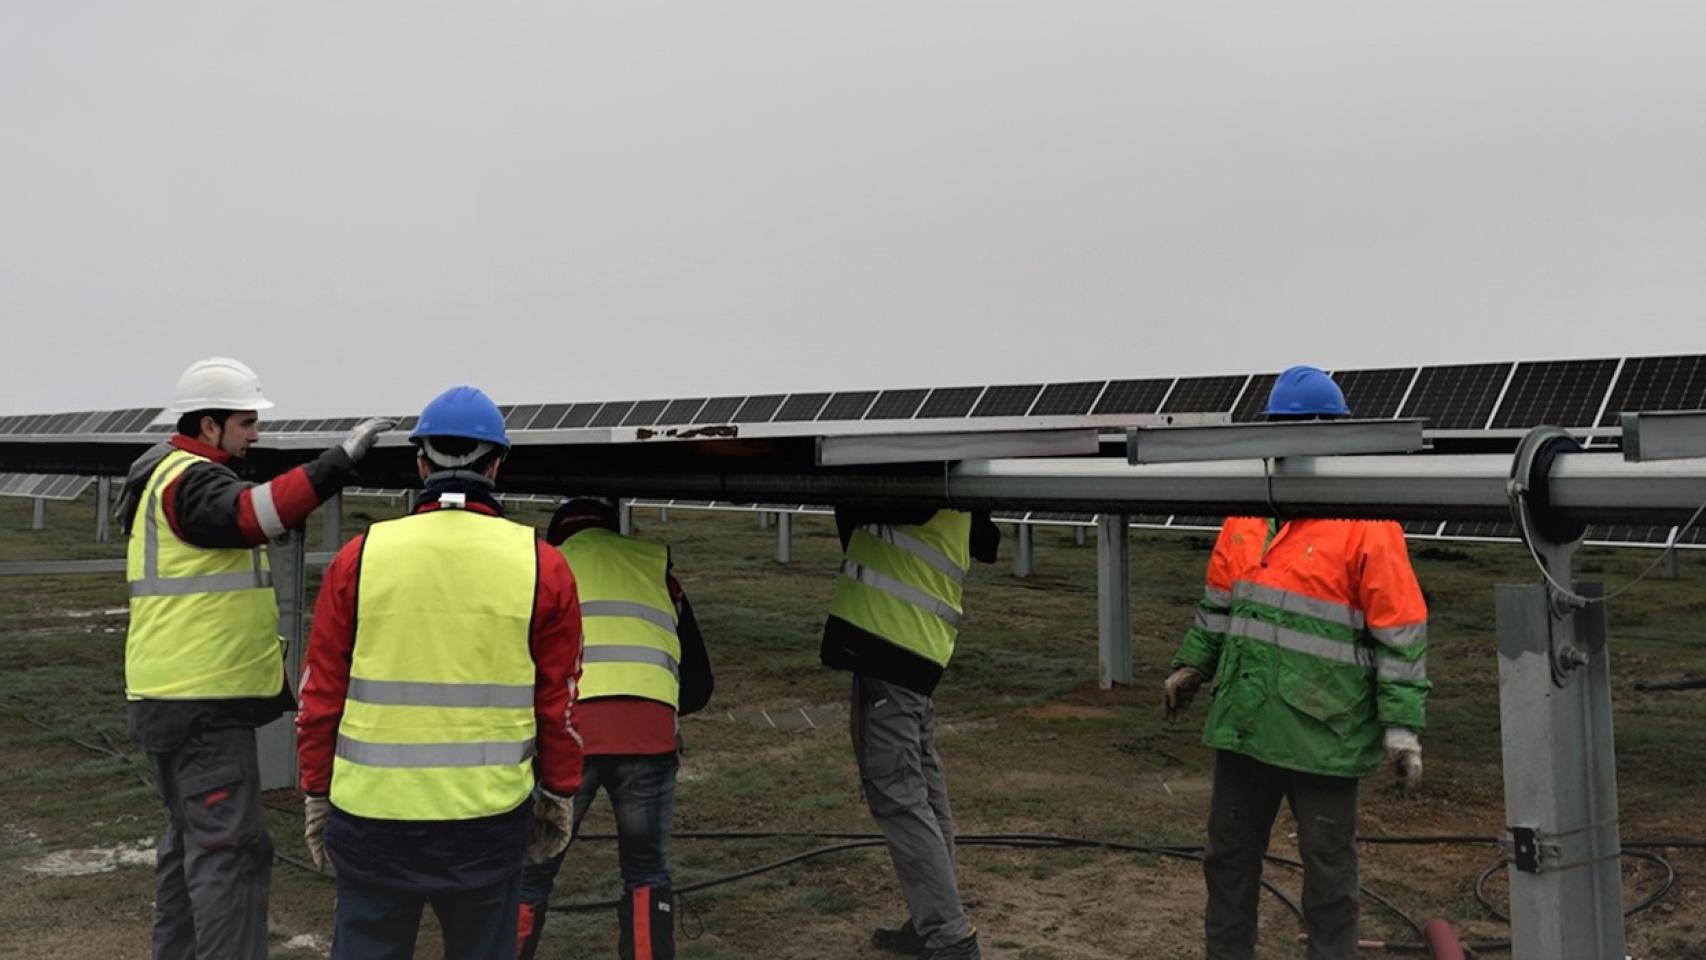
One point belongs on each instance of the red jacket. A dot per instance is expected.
(555, 641)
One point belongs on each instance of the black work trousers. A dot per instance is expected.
(1247, 795)
(214, 862)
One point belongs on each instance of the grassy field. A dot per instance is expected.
(1032, 746)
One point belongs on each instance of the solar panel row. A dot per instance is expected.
(77, 423)
(47, 486)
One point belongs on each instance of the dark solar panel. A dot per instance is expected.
(1183, 520)
(949, 402)
(1204, 394)
(1007, 515)
(407, 424)
(1132, 396)
(85, 423)
(645, 413)
(346, 423)
(897, 404)
(1483, 528)
(548, 416)
(1628, 533)
(1067, 399)
(578, 415)
(1421, 527)
(8, 424)
(719, 410)
(848, 405)
(136, 423)
(760, 409)
(1007, 401)
(1657, 383)
(58, 423)
(157, 428)
(680, 411)
(802, 406)
(611, 414)
(1374, 394)
(1252, 406)
(109, 421)
(1566, 393)
(1458, 397)
(1151, 519)
(521, 417)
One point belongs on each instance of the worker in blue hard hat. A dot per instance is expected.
(203, 662)
(436, 739)
(1315, 632)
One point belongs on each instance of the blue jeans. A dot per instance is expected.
(642, 793)
(379, 923)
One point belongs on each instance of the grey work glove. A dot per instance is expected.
(314, 813)
(1180, 687)
(1404, 749)
(361, 439)
(553, 816)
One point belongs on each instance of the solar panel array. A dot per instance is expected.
(80, 423)
(46, 486)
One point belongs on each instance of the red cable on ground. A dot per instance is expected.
(1442, 940)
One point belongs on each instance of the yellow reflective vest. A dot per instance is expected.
(438, 722)
(203, 622)
(905, 583)
(630, 647)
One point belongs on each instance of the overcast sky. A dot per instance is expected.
(568, 201)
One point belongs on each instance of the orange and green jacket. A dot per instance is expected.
(1315, 633)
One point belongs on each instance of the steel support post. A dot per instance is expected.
(276, 742)
(1566, 881)
(763, 519)
(1022, 557)
(1113, 597)
(332, 533)
(103, 509)
(784, 538)
(625, 517)
(663, 514)
(38, 517)
(1078, 536)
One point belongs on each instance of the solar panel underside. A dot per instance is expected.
(1205, 394)
(1375, 394)
(1565, 393)
(1456, 397)
(1657, 383)
(1132, 396)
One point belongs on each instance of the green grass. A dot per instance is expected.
(1031, 742)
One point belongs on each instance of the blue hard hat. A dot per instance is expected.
(1306, 391)
(462, 411)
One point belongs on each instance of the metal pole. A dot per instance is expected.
(663, 514)
(1077, 536)
(276, 742)
(1022, 558)
(1560, 776)
(1113, 597)
(332, 534)
(38, 518)
(103, 509)
(625, 517)
(784, 538)
(763, 519)
(1673, 565)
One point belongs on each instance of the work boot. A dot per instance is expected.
(963, 950)
(903, 940)
(646, 925)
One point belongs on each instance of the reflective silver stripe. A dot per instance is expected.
(1217, 598)
(1298, 603)
(266, 512)
(1300, 642)
(206, 583)
(1213, 622)
(919, 549)
(434, 754)
(904, 592)
(418, 693)
(154, 585)
(1391, 668)
(629, 653)
(624, 608)
(1402, 637)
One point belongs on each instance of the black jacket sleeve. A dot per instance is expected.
(985, 537)
(696, 679)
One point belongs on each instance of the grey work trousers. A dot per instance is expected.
(900, 774)
(214, 861)
(1241, 815)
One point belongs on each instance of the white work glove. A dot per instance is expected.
(553, 817)
(1180, 687)
(1404, 749)
(361, 439)
(314, 813)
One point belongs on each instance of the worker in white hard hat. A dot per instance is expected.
(203, 661)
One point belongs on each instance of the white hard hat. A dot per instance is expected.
(218, 383)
